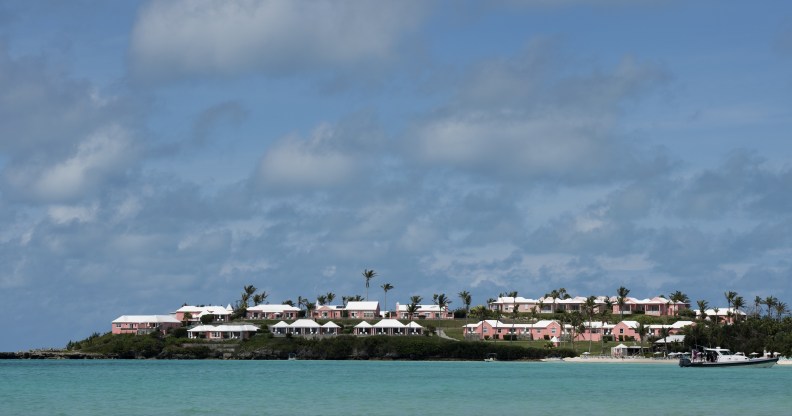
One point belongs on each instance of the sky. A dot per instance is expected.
(159, 153)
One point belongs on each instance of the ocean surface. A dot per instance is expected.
(150, 387)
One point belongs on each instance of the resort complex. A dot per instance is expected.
(513, 318)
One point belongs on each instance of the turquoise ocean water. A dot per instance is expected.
(117, 387)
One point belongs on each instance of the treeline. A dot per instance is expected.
(751, 334)
(385, 347)
(344, 347)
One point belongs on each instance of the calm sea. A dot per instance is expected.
(87, 387)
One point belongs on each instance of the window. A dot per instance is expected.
(621, 330)
(118, 325)
(217, 334)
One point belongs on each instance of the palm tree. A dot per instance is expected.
(386, 287)
(442, 302)
(758, 306)
(621, 299)
(330, 297)
(466, 299)
(738, 303)
(678, 297)
(589, 307)
(412, 308)
(321, 300)
(642, 330)
(770, 302)
(702, 305)
(781, 309)
(730, 295)
(607, 309)
(368, 275)
(247, 292)
(665, 332)
(259, 298)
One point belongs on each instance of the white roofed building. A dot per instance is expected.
(193, 314)
(222, 332)
(362, 309)
(424, 312)
(144, 324)
(273, 312)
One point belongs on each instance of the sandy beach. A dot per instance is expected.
(620, 360)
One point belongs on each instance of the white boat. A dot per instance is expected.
(491, 357)
(722, 357)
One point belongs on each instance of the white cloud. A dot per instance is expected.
(209, 37)
(307, 163)
(102, 156)
(61, 214)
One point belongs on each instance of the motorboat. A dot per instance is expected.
(491, 357)
(722, 357)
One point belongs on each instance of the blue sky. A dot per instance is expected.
(157, 153)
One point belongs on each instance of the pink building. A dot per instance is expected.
(390, 327)
(362, 310)
(144, 324)
(328, 312)
(193, 314)
(222, 332)
(656, 306)
(544, 329)
(273, 312)
(594, 331)
(424, 312)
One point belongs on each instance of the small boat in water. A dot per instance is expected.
(722, 357)
(491, 357)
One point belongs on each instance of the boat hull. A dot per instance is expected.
(754, 362)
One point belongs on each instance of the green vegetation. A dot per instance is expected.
(385, 347)
(754, 334)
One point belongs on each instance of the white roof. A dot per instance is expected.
(225, 328)
(721, 312)
(362, 306)
(330, 324)
(630, 324)
(273, 308)
(389, 323)
(215, 310)
(413, 325)
(305, 323)
(146, 318)
(421, 308)
(281, 324)
(671, 339)
(363, 324)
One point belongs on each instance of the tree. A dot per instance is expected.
(758, 306)
(386, 287)
(621, 299)
(678, 297)
(442, 302)
(702, 305)
(330, 297)
(368, 275)
(738, 303)
(259, 298)
(466, 299)
(607, 309)
(321, 300)
(730, 295)
(642, 330)
(781, 309)
(589, 307)
(247, 292)
(412, 307)
(665, 332)
(770, 302)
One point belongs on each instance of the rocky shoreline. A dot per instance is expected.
(51, 355)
